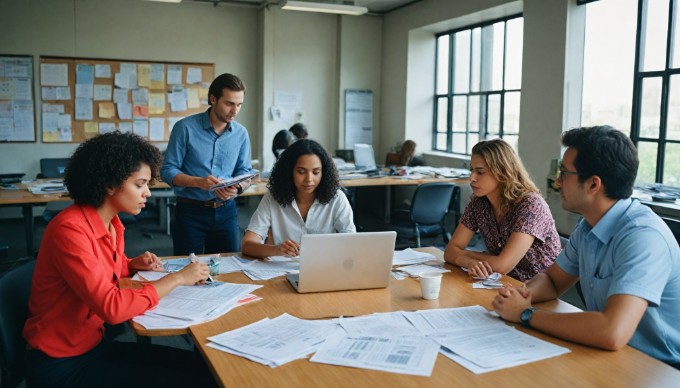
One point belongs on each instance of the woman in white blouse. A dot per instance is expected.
(304, 198)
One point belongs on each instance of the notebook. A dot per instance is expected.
(344, 261)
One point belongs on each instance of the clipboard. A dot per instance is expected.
(233, 181)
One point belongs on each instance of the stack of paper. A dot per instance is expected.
(56, 187)
(189, 305)
(275, 341)
(409, 256)
(416, 269)
(263, 270)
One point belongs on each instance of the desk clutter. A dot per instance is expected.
(471, 336)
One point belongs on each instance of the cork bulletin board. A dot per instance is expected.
(82, 97)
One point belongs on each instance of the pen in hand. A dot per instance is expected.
(194, 259)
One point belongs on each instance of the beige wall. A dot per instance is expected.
(317, 55)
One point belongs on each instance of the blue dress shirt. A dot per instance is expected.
(631, 251)
(195, 149)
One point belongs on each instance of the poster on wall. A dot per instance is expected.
(358, 117)
(17, 120)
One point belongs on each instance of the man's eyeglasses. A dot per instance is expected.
(562, 172)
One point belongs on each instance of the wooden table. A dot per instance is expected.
(24, 199)
(584, 366)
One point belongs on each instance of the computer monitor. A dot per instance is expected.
(364, 158)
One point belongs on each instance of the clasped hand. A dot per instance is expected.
(511, 301)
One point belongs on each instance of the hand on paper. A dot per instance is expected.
(207, 182)
(288, 248)
(147, 261)
(510, 302)
(226, 193)
(193, 273)
(479, 269)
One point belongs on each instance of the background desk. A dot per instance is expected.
(584, 366)
(24, 199)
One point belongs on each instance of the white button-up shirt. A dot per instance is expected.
(287, 223)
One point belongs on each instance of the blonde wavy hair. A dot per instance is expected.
(507, 168)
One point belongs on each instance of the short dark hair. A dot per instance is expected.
(106, 161)
(225, 81)
(281, 184)
(299, 130)
(606, 152)
(282, 140)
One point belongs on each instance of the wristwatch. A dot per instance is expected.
(239, 189)
(525, 316)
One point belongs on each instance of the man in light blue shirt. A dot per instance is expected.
(626, 257)
(204, 149)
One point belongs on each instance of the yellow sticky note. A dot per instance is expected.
(106, 110)
(193, 101)
(156, 103)
(50, 136)
(91, 127)
(144, 75)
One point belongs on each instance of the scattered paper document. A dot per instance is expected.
(394, 323)
(437, 320)
(275, 341)
(405, 355)
(488, 348)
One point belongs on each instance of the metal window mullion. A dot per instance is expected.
(637, 76)
(452, 84)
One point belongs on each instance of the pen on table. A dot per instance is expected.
(194, 259)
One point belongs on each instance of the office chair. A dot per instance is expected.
(15, 288)
(427, 215)
(53, 168)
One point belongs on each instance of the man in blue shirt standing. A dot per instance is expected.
(625, 256)
(204, 149)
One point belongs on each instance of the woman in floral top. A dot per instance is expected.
(508, 211)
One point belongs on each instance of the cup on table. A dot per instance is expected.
(214, 265)
(430, 283)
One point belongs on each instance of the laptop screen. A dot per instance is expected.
(364, 159)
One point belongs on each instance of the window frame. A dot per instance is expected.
(449, 95)
(640, 75)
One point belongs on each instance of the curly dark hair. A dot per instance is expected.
(281, 185)
(106, 161)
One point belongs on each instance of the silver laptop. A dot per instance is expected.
(344, 261)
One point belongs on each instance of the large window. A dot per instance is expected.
(477, 85)
(636, 89)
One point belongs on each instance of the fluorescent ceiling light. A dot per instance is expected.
(324, 7)
(167, 1)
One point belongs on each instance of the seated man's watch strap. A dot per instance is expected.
(525, 316)
(239, 189)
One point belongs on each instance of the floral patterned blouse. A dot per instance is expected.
(531, 216)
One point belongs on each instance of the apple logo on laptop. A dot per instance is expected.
(348, 263)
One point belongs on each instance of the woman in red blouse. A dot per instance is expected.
(508, 211)
(76, 286)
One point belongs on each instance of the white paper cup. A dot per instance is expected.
(430, 283)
